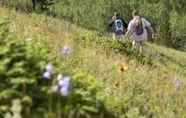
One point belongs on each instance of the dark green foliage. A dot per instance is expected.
(28, 5)
(24, 5)
(42, 4)
(178, 30)
(165, 22)
(20, 73)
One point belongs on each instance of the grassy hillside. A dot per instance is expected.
(168, 16)
(132, 86)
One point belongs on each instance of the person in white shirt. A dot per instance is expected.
(139, 30)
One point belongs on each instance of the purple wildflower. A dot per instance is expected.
(48, 71)
(177, 83)
(64, 91)
(64, 86)
(49, 68)
(66, 50)
(47, 75)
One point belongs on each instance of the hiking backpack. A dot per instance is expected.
(138, 26)
(119, 25)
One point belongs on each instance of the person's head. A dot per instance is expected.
(135, 13)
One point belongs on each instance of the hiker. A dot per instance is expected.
(119, 26)
(139, 30)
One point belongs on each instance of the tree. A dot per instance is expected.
(34, 4)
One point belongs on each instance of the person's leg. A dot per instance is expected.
(141, 46)
(113, 36)
(137, 45)
(133, 44)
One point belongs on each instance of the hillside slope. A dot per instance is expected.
(157, 88)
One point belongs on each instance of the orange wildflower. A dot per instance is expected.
(123, 67)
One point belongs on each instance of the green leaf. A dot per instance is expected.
(3, 64)
(27, 100)
(22, 81)
(4, 50)
(16, 72)
(90, 109)
(4, 108)
(6, 94)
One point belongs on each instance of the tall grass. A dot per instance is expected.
(149, 85)
(95, 14)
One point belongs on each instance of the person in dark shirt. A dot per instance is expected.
(119, 25)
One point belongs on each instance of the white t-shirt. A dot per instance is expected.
(144, 35)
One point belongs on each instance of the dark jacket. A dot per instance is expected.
(125, 25)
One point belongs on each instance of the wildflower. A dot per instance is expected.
(64, 91)
(64, 82)
(49, 68)
(64, 86)
(177, 83)
(48, 71)
(123, 67)
(59, 77)
(66, 50)
(47, 75)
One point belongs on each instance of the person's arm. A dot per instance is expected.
(152, 30)
(125, 24)
(111, 23)
(129, 30)
(128, 33)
